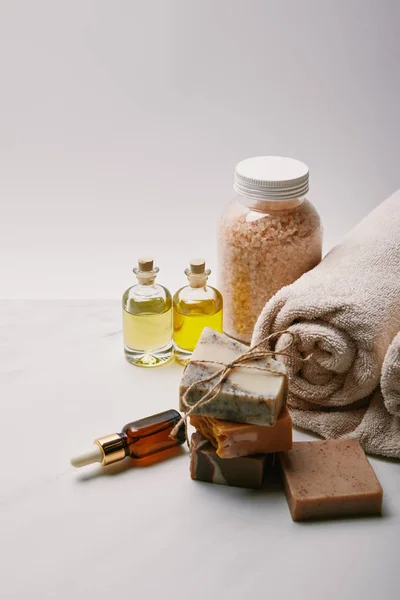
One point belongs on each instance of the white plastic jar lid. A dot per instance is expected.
(271, 178)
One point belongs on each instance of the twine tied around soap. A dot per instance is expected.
(254, 353)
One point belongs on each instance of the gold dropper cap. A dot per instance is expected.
(106, 451)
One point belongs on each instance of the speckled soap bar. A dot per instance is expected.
(250, 394)
(206, 465)
(331, 478)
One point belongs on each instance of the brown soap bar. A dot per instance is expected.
(206, 465)
(240, 439)
(331, 478)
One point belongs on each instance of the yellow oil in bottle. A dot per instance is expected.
(147, 319)
(144, 332)
(189, 324)
(196, 306)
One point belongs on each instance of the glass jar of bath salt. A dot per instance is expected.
(268, 237)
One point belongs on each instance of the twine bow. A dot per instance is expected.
(254, 353)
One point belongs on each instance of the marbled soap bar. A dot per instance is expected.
(206, 465)
(240, 439)
(251, 393)
(331, 478)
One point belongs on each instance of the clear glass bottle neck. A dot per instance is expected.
(270, 206)
(145, 280)
(147, 289)
(197, 281)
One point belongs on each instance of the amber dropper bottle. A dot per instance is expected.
(137, 440)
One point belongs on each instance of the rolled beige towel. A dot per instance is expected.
(390, 380)
(345, 312)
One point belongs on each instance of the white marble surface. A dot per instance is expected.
(147, 533)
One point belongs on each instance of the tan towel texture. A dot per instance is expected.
(346, 312)
(390, 380)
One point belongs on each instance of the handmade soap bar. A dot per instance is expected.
(252, 393)
(240, 439)
(205, 465)
(331, 478)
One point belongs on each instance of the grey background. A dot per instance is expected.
(121, 123)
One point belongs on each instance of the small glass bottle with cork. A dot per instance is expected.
(196, 306)
(147, 318)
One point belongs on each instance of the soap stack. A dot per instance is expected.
(238, 431)
(246, 422)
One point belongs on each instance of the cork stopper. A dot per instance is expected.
(145, 271)
(145, 264)
(197, 265)
(197, 273)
